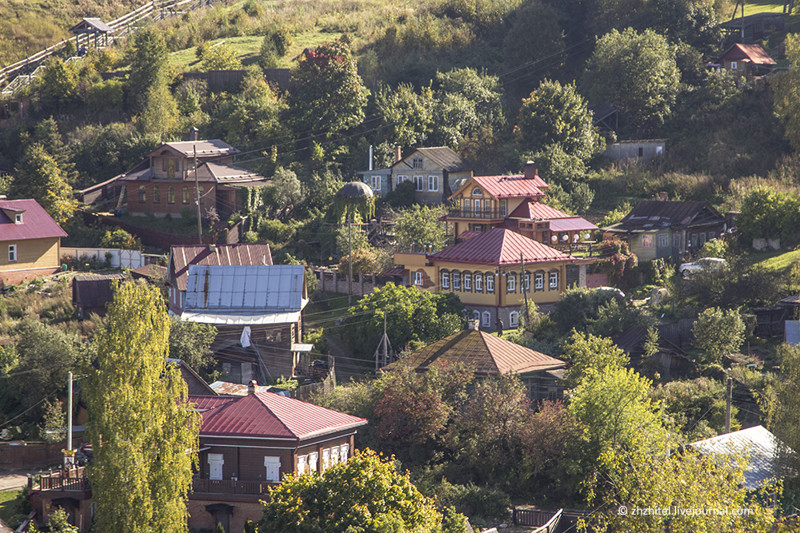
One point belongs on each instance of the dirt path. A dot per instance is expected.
(10, 480)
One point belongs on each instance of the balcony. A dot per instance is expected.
(491, 214)
(72, 480)
(229, 486)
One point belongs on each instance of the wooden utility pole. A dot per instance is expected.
(197, 197)
(524, 288)
(728, 400)
(349, 262)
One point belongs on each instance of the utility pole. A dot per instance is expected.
(197, 197)
(728, 398)
(69, 412)
(349, 262)
(524, 288)
(385, 342)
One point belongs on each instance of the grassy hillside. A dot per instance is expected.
(27, 26)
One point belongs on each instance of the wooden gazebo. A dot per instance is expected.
(92, 26)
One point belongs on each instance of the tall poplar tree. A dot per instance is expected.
(140, 423)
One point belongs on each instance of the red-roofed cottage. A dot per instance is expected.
(248, 443)
(30, 241)
(486, 272)
(747, 60)
(514, 202)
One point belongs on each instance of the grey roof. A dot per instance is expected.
(761, 448)
(655, 214)
(205, 148)
(792, 332)
(355, 189)
(246, 294)
(442, 156)
(91, 25)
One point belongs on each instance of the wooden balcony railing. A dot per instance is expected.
(229, 486)
(490, 214)
(72, 480)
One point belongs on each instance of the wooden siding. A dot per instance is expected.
(31, 254)
(163, 206)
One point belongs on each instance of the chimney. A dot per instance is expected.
(193, 133)
(473, 324)
(398, 153)
(252, 387)
(530, 170)
(663, 196)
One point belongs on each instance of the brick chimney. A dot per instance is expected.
(530, 170)
(252, 387)
(398, 153)
(193, 133)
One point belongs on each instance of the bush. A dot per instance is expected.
(474, 500)
(119, 238)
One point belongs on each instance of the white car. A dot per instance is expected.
(705, 263)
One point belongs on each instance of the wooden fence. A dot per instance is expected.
(23, 454)
(116, 257)
(332, 281)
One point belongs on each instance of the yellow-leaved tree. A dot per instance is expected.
(142, 429)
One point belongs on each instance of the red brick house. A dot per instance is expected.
(30, 242)
(165, 182)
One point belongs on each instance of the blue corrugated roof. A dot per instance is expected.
(792, 332)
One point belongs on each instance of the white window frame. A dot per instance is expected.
(419, 183)
(214, 459)
(490, 283)
(467, 281)
(513, 319)
(663, 240)
(486, 319)
(477, 191)
(344, 453)
(478, 283)
(18, 218)
(456, 281)
(503, 208)
(445, 280)
(734, 65)
(375, 183)
(433, 183)
(302, 464)
(538, 281)
(12, 253)
(527, 282)
(313, 459)
(334, 455)
(417, 278)
(511, 283)
(326, 459)
(476, 315)
(553, 280)
(646, 240)
(676, 240)
(417, 162)
(402, 178)
(272, 465)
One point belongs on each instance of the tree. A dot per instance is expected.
(58, 86)
(585, 351)
(38, 176)
(253, 114)
(139, 421)
(286, 191)
(418, 228)
(274, 46)
(718, 332)
(406, 115)
(326, 93)
(159, 117)
(376, 499)
(148, 60)
(484, 92)
(365, 261)
(221, 56)
(119, 238)
(781, 402)
(637, 73)
(556, 114)
(191, 343)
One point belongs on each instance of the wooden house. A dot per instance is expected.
(486, 272)
(30, 242)
(91, 293)
(670, 229)
(749, 60)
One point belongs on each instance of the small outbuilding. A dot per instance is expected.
(747, 59)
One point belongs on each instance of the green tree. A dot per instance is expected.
(57, 86)
(147, 56)
(637, 73)
(781, 402)
(274, 46)
(585, 351)
(326, 93)
(191, 343)
(140, 423)
(483, 91)
(556, 114)
(286, 192)
(406, 114)
(221, 56)
(365, 261)
(38, 176)
(718, 332)
(47, 354)
(159, 117)
(378, 499)
(119, 238)
(418, 228)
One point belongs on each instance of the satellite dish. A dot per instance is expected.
(554, 238)
(565, 237)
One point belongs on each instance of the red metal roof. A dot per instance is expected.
(748, 52)
(530, 209)
(500, 246)
(269, 415)
(36, 223)
(219, 254)
(572, 224)
(516, 186)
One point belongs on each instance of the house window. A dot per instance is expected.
(302, 464)
(445, 280)
(185, 196)
(487, 208)
(375, 183)
(489, 282)
(538, 281)
(641, 152)
(663, 241)
(313, 457)
(326, 459)
(477, 204)
(164, 163)
(527, 282)
(12, 253)
(142, 194)
(344, 451)
(503, 208)
(476, 315)
(466, 207)
(402, 179)
(553, 280)
(487, 319)
(334, 455)
(433, 183)
(467, 282)
(477, 191)
(734, 65)
(156, 194)
(215, 462)
(18, 218)
(170, 194)
(273, 466)
(419, 183)
(676, 240)
(647, 241)
(417, 278)
(513, 319)
(456, 281)
(478, 283)
(511, 283)
(702, 239)
(417, 162)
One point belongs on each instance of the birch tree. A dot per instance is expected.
(140, 424)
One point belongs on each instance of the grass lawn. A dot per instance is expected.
(7, 508)
(777, 260)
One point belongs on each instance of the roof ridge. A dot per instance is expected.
(260, 397)
(483, 336)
